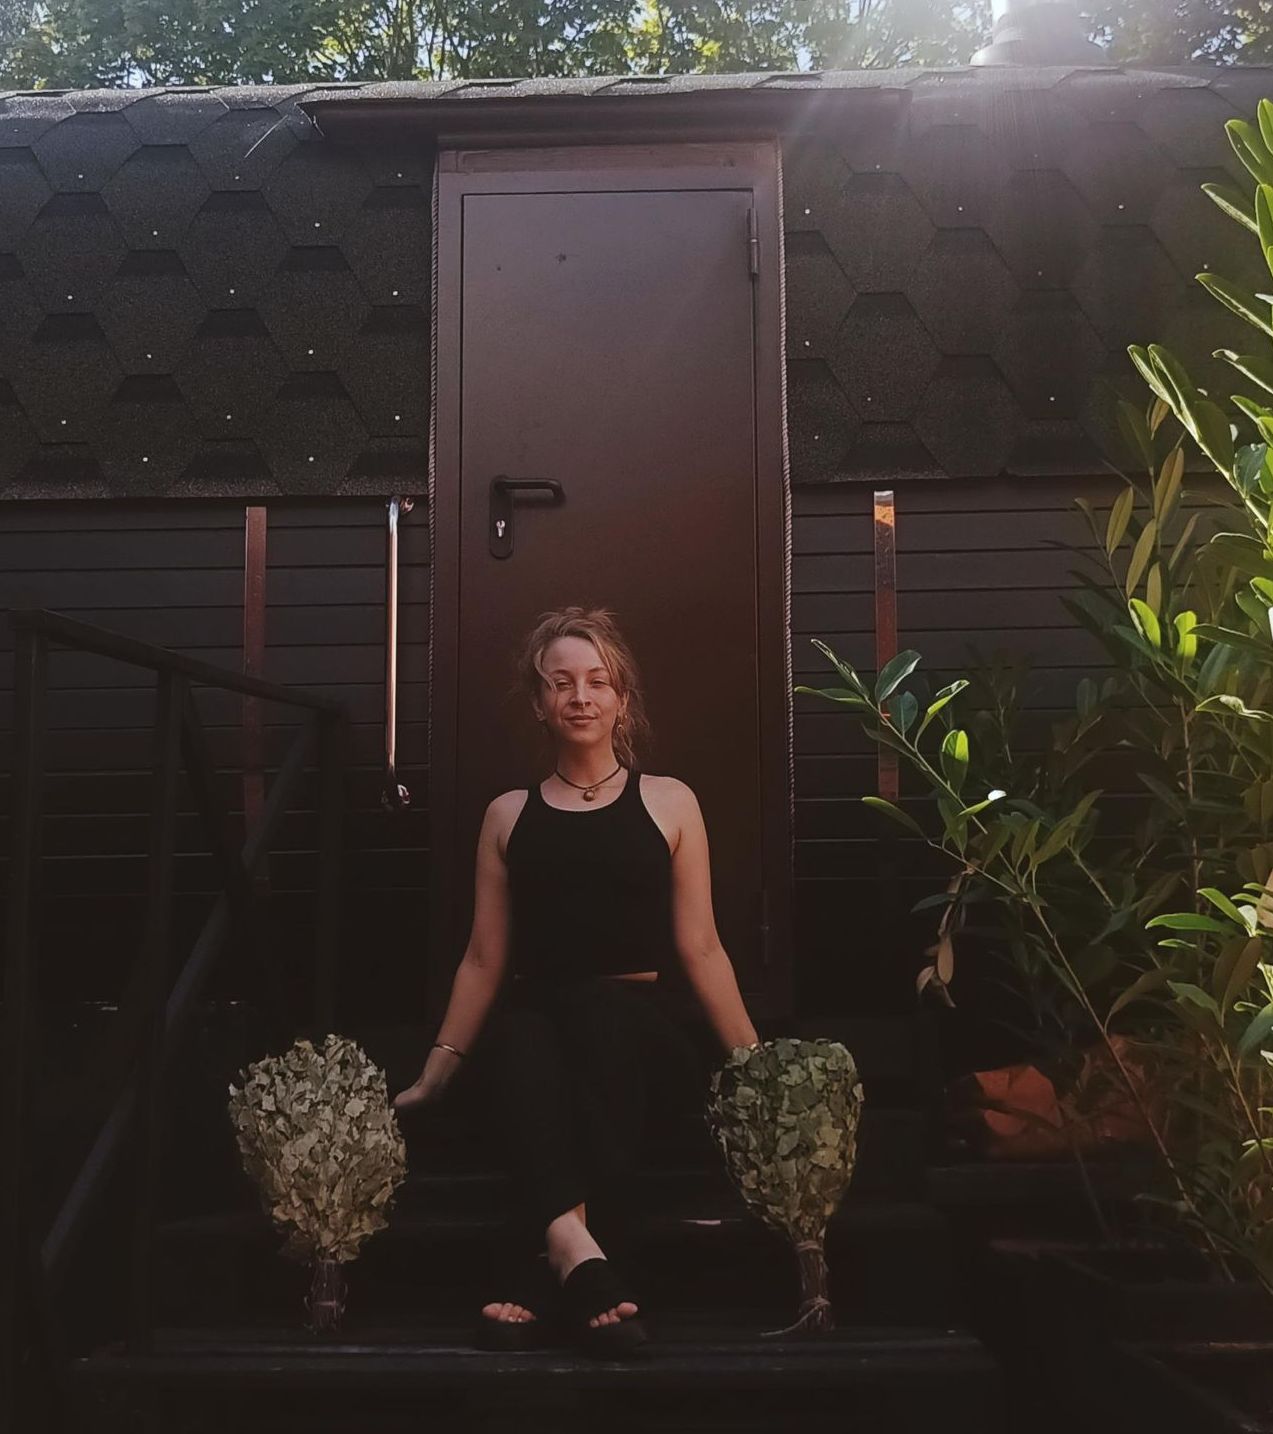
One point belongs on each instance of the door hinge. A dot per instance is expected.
(764, 927)
(753, 244)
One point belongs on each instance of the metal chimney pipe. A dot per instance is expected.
(1038, 32)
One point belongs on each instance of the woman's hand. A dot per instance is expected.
(439, 1069)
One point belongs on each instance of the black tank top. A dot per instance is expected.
(589, 891)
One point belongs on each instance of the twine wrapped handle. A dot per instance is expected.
(815, 1307)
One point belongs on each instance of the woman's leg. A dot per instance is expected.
(533, 1110)
(632, 1061)
(537, 1112)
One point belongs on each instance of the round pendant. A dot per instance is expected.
(589, 795)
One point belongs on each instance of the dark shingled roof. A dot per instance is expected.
(203, 295)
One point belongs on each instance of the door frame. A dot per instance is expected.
(732, 164)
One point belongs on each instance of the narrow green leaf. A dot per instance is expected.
(1248, 467)
(1152, 980)
(834, 694)
(981, 806)
(1248, 144)
(898, 815)
(940, 701)
(907, 706)
(1228, 638)
(1140, 357)
(1222, 903)
(1234, 203)
(1119, 514)
(1153, 587)
(1215, 435)
(1146, 620)
(1186, 637)
(1184, 540)
(1055, 841)
(1234, 704)
(1175, 376)
(1141, 554)
(954, 757)
(1191, 921)
(1264, 121)
(1254, 607)
(1241, 300)
(1256, 367)
(1024, 840)
(1264, 221)
(1243, 972)
(999, 837)
(1195, 996)
(894, 672)
(1243, 552)
(1256, 1032)
(850, 677)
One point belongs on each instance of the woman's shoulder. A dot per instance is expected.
(502, 812)
(669, 786)
(669, 795)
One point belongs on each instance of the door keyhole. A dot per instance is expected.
(499, 527)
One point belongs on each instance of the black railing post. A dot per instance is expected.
(331, 810)
(30, 668)
(156, 952)
(257, 961)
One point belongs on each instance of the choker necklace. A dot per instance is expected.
(589, 792)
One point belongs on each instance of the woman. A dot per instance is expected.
(587, 885)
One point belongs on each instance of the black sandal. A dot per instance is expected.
(591, 1288)
(535, 1288)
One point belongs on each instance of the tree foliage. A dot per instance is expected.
(1177, 32)
(87, 43)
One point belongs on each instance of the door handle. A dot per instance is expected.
(503, 490)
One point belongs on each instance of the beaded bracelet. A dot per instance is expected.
(443, 1046)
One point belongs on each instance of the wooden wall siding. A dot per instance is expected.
(173, 575)
(975, 565)
(976, 568)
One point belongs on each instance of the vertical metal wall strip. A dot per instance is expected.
(255, 533)
(886, 618)
(394, 794)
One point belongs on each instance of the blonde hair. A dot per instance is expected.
(597, 626)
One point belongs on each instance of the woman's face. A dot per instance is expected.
(578, 702)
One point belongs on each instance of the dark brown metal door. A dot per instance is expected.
(607, 342)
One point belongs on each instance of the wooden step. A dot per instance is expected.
(888, 1263)
(705, 1371)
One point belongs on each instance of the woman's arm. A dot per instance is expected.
(481, 970)
(709, 969)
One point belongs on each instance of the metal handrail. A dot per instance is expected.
(156, 1010)
(100, 640)
(394, 793)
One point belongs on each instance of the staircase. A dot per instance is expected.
(140, 1287)
(229, 1348)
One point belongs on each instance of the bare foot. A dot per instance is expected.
(570, 1243)
(507, 1311)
